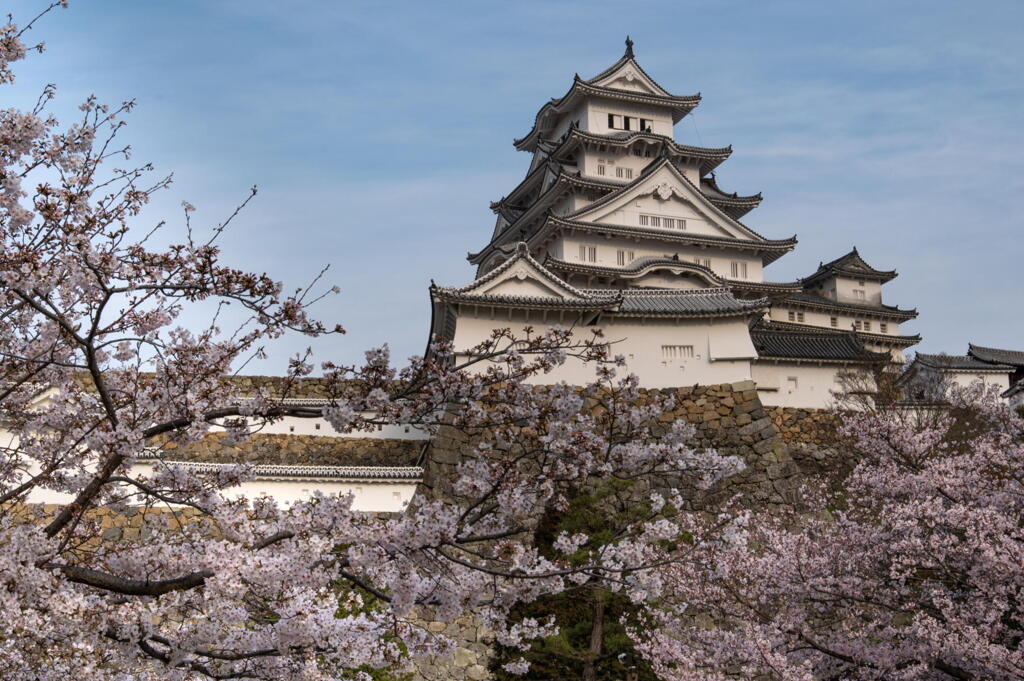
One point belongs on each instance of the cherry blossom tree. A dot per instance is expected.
(97, 369)
(909, 569)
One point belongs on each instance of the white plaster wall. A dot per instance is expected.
(597, 110)
(845, 322)
(367, 495)
(722, 348)
(814, 388)
(966, 379)
(842, 289)
(567, 247)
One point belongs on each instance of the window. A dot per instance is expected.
(867, 326)
(792, 316)
(592, 253)
(637, 151)
(655, 221)
(617, 122)
(645, 125)
(858, 294)
(834, 321)
(705, 262)
(316, 426)
(600, 170)
(668, 223)
(858, 325)
(800, 316)
(884, 327)
(624, 172)
(738, 270)
(671, 352)
(620, 257)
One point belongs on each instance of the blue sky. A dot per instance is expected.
(379, 131)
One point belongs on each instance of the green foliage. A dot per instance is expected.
(602, 514)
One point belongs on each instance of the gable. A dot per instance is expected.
(523, 277)
(628, 76)
(664, 193)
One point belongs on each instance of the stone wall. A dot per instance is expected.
(306, 450)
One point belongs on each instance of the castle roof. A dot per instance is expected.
(774, 343)
(678, 105)
(813, 300)
(709, 302)
(959, 363)
(715, 301)
(852, 266)
(877, 338)
(708, 158)
(1013, 358)
(733, 205)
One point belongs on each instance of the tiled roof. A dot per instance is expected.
(850, 265)
(844, 347)
(996, 355)
(958, 363)
(382, 473)
(733, 205)
(710, 157)
(695, 303)
(879, 338)
(890, 311)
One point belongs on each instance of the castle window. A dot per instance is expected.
(738, 270)
(884, 327)
(645, 220)
(858, 325)
(624, 172)
(645, 125)
(867, 326)
(800, 316)
(600, 170)
(668, 223)
(620, 258)
(637, 151)
(792, 316)
(706, 262)
(583, 252)
(834, 321)
(614, 122)
(858, 294)
(671, 352)
(592, 254)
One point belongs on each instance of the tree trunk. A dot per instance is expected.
(596, 639)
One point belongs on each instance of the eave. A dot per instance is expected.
(810, 300)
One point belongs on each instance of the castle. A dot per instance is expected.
(618, 226)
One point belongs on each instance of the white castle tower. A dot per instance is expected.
(616, 225)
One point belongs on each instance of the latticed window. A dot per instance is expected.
(600, 170)
(834, 321)
(739, 270)
(671, 352)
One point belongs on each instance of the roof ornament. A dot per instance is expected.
(629, 48)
